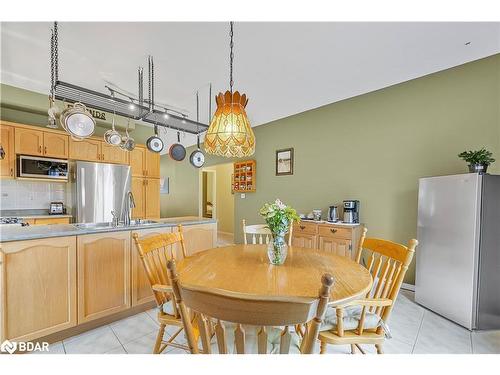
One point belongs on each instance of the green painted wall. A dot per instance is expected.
(373, 147)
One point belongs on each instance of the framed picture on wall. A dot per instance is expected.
(284, 162)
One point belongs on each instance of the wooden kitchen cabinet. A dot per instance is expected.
(152, 198)
(8, 163)
(152, 164)
(307, 241)
(138, 161)
(144, 163)
(28, 141)
(55, 145)
(87, 149)
(139, 193)
(51, 220)
(103, 274)
(146, 193)
(113, 154)
(197, 238)
(37, 288)
(141, 288)
(336, 238)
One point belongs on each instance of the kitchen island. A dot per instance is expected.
(59, 280)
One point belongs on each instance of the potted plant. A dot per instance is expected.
(478, 160)
(278, 217)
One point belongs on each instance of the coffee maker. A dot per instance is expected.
(351, 212)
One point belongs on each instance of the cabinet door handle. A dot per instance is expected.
(333, 230)
(12, 172)
(302, 227)
(45, 150)
(40, 149)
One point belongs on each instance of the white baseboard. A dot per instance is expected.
(407, 286)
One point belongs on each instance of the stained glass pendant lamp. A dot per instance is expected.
(230, 134)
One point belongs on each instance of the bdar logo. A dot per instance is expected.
(8, 347)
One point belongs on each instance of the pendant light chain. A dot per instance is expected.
(231, 57)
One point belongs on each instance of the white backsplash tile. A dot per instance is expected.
(20, 194)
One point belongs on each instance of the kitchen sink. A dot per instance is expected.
(96, 225)
(111, 225)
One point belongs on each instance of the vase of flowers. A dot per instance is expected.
(278, 217)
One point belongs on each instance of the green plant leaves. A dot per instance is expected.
(481, 156)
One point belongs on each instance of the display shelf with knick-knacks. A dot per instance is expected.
(244, 176)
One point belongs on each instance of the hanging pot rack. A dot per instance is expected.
(138, 109)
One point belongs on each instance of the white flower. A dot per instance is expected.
(280, 204)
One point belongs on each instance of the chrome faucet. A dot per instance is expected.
(129, 204)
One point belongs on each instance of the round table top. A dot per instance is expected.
(245, 270)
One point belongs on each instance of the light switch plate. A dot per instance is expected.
(243, 195)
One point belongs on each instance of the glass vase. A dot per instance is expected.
(277, 249)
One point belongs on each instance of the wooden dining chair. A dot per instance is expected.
(365, 321)
(155, 252)
(227, 314)
(260, 233)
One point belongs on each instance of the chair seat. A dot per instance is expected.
(168, 308)
(352, 315)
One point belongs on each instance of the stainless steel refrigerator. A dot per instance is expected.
(458, 256)
(99, 189)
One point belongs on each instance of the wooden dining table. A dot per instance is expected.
(245, 271)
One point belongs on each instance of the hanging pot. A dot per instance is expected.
(127, 143)
(154, 143)
(77, 121)
(177, 151)
(52, 112)
(197, 157)
(112, 137)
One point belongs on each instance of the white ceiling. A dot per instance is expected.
(284, 68)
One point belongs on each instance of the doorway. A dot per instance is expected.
(217, 200)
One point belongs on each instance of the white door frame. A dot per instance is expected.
(200, 192)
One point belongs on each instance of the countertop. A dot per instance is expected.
(31, 214)
(17, 233)
(339, 223)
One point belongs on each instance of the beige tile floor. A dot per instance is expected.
(414, 330)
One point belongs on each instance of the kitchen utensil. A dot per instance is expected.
(112, 137)
(333, 214)
(197, 157)
(128, 143)
(351, 211)
(154, 143)
(52, 112)
(177, 151)
(77, 121)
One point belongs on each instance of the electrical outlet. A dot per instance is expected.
(243, 195)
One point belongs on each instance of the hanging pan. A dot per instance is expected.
(197, 157)
(128, 143)
(154, 143)
(177, 150)
(77, 121)
(112, 137)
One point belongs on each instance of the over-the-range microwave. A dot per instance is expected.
(44, 168)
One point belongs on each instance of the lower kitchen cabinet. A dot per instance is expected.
(141, 288)
(48, 221)
(38, 292)
(307, 241)
(197, 238)
(338, 239)
(103, 274)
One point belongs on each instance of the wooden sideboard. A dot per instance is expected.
(336, 238)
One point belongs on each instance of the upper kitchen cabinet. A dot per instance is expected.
(28, 141)
(138, 161)
(144, 163)
(87, 149)
(152, 164)
(55, 145)
(113, 154)
(8, 163)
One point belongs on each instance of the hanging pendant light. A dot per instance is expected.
(230, 133)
